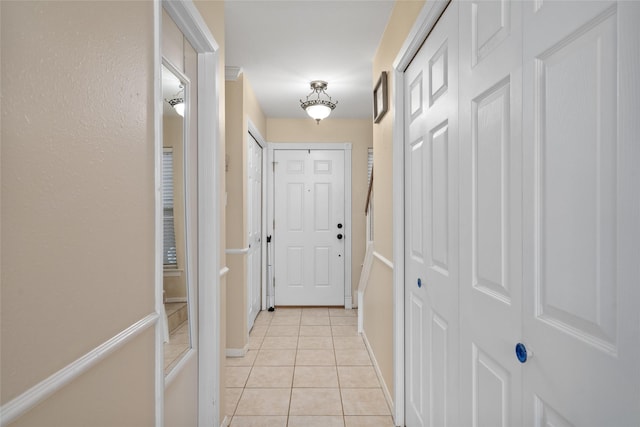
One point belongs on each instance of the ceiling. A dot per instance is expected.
(282, 46)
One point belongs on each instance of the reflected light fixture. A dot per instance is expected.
(177, 102)
(318, 104)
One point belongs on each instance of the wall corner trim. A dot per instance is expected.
(240, 251)
(231, 73)
(237, 352)
(382, 259)
(22, 404)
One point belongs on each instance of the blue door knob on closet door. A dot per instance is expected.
(419, 282)
(521, 352)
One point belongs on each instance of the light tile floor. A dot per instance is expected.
(306, 367)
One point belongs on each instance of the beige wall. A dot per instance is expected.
(358, 133)
(77, 202)
(241, 106)
(378, 299)
(78, 206)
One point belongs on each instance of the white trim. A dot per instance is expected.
(376, 367)
(22, 404)
(364, 281)
(309, 146)
(176, 299)
(225, 422)
(162, 328)
(346, 147)
(383, 259)
(209, 228)
(242, 251)
(224, 271)
(348, 256)
(188, 19)
(231, 73)
(195, 30)
(237, 352)
(423, 25)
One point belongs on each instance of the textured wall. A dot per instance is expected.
(78, 205)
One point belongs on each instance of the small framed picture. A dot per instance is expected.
(380, 104)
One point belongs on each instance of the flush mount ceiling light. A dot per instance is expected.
(177, 102)
(318, 107)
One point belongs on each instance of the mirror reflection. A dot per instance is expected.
(174, 254)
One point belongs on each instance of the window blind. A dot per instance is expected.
(370, 165)
(169, 257)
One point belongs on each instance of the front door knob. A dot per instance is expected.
(339, 236)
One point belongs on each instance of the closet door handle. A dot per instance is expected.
(521, 353)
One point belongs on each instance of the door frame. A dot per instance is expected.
(192, 25)
(344, 146)
(425, 22)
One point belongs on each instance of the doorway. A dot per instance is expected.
(310, 211)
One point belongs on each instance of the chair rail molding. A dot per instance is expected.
(23, 403)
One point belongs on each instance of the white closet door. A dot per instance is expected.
(581, 206)
(490, 109)
(431, 209)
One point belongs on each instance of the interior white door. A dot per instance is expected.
(431, 228)
(582, 213)
(310, 229)
(254, 223)
(490, 108)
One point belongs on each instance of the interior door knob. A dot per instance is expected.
(339, 236)
(339, 225)
(521, 353)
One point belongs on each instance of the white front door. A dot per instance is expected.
(254, 229)
(431, 228)
(310, 229)
(582, 213)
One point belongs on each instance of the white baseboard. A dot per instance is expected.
(226, 421)
(237, 352)
(348, 303)
(361, 312)
(176, 299)
(385, 389)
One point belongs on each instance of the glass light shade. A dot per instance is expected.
(179, 108)
(318, 111)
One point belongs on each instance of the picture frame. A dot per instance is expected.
(380, 98)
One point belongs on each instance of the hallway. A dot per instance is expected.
(305, 367)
